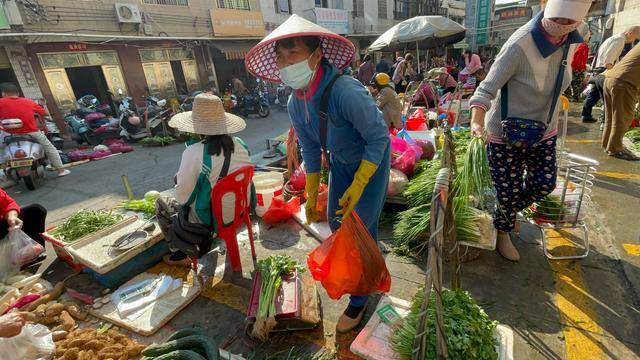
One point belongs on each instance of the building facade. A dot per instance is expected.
(508, 18)
(59, 51)
(627, 15)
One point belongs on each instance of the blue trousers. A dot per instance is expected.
(593, 96)
(515, 191)
(371, 202)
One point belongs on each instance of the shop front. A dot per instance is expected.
(71, 75)
(170, 72)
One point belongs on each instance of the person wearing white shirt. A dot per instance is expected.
(209, 120)
(608, 55)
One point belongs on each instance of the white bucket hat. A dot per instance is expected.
(568, 9)
(207, 118)
(261, 59)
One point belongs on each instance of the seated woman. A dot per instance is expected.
(447, 83)
(30, 219)
(387, 100)
(209, 120)
(424, 96)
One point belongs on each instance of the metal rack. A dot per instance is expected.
(564, 211)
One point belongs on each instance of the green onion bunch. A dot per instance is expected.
(271, 270)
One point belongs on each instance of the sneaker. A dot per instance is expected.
(351, 318)
(64, 172)
(624, 155)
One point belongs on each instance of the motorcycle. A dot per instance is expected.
(23, 157)
(283, 92)
(86, 124)
(255, 103)
(186, 101)
(157, 115)
(53, 133)
(131, 127)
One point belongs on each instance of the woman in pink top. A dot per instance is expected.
(472, 63)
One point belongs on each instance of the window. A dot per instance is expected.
(382, 9)
(322, 3)
(283, 6)
(358, 8)
(338, 4)
(401, 9)
(167, 2)
(234, 4)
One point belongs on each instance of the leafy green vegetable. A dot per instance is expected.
(271, 270)
(634, 136)
(468, 329)
(157, 141)
(474, 177)
(147, 205)
(548, 208)
(85, 222)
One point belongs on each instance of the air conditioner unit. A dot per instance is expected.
(128, 13)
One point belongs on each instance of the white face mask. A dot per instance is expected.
(298, 75)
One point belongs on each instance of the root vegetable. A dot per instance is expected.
(76, 311)
(53, 309)
(59, 335)
(50, 296)
(66, 322)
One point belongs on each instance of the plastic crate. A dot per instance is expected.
(131, 268)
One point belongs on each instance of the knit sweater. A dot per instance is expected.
(528, 63)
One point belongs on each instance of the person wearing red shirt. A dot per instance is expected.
(31, 218)
(12, 106)
(579, 67)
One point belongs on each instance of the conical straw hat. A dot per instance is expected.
(207, 118)
(261, 59)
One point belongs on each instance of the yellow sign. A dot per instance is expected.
(230, 22)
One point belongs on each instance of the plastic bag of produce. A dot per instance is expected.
(298, 179)
(407, 161)
(397, 182)
(7, 268)
(349, 262)
(398, 145)
(428, 150)
(23, 248)
(34, 342)
(280, 211)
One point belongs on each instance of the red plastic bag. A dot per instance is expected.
(349, 262)
(407, 161)
(299, 179)
(398, 145)
(279, 210)
(322, 202)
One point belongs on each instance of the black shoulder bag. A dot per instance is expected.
(324, 117)
(524, 133)
(194, 239)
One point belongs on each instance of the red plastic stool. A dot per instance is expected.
(237, 183)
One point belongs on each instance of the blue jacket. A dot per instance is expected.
(356, 130)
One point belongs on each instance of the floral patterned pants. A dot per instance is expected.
(516, 188)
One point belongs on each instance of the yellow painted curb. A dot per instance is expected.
(618, 175)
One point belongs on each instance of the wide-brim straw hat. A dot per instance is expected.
(261, 59)
(207, 118)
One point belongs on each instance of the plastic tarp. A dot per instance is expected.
(429, 31)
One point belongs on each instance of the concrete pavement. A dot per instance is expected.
(583, 309)
(98, 185)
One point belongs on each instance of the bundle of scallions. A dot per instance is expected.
(271, 270)
(470, 188)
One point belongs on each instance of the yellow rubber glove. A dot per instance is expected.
(354, 192)
(311, 189)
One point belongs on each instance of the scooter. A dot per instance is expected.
(157, 116)
(254, 103)
(283, 92)
(23, 157)
(131, 127)
(90, 126)
(186, 101)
